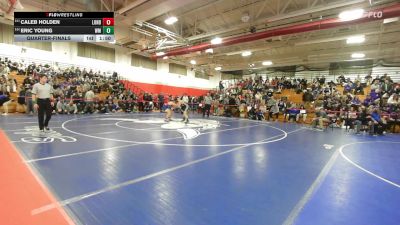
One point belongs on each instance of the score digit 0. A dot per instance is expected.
(108, 30)
(108, 21)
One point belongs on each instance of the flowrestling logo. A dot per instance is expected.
(190, 130)
(375, 14)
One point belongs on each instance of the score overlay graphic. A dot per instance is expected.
(64, 26)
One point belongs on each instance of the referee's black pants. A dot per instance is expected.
(206, 109)
(44, 107)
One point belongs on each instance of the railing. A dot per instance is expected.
(130, 86)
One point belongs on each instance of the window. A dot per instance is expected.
(6, 34)
(201, 74)
(177, 69)
(142, 61)
(7, 37)
(96, 52)
(351, 67)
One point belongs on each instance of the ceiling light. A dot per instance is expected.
(245, 17)
(351, 14)
(267, 63)
(160, 53)
(193, 62)
(210, 50)
(357, 55)
(218, 68)
(171, 20)
(165, 57)
(356, 39)
(246, 53)
(216, 41)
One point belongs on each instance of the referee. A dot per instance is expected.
(185, 107)
(42, 97)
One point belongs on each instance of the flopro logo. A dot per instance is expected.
(375, 14)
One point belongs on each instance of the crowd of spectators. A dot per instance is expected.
(379, 111)
(76, 91)
(7, 85)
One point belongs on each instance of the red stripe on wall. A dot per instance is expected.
(166, 89)
(21, 192)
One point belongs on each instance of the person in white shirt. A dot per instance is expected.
(185, 98)
(42, 98)
(184, 104)
(5, 71)
(393, 99)
(71, 108)
(60, 106)
(207, 105)
(89, 100)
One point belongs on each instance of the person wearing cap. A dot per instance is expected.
(43, 102)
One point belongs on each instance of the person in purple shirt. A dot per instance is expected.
(374, 95)
(4, 101)
(347, 88)
(355, 101)
(367, 101)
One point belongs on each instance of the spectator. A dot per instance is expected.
(207, 105)
(22, 99)
(359, 90)
(361, 119)
(303, 113)
(393, 100)
(161, 101)
(273, 109)
(216, 107)
(221, 86)
(5, 101)
(377, 124)
(60, 106)
(320, 119)
(71, 108)
(89, 102)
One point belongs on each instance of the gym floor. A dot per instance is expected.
(137, 169)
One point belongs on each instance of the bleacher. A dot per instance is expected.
(290, 94)
(13, 107)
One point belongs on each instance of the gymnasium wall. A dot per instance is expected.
(393, 72)
(168, 90)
